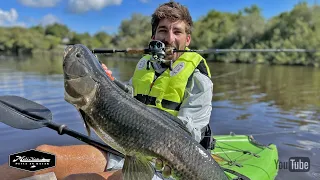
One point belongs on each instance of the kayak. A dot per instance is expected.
(241, 156)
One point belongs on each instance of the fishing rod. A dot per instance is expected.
(157, 47)
(206, 51)
(159, 51)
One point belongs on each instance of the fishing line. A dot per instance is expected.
(264, 134)
(273, 133)
(227, 74)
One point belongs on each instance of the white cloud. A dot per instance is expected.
(49, 19)
(81, 6)
(9, 18)
(39, 3)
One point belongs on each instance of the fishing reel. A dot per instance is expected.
(157, 50)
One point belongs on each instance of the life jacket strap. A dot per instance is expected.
(149, 100)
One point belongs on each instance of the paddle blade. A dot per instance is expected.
(22, 113)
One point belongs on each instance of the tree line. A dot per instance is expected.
(298, 28)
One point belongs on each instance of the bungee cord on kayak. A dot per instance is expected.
(233, 161)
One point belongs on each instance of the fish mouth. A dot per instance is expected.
(79, 84)
(73, 63)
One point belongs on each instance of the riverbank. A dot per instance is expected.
(58, 52)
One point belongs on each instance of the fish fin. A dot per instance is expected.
(84, 118)
(137, 168)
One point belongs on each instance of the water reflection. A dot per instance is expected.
(292, 89)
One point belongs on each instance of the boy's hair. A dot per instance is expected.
(172, 11)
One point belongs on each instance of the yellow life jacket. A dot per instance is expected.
(167, 91)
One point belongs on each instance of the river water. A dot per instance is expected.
(277, 104)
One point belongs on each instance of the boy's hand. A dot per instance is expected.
(108, 72)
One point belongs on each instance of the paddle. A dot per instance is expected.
(25, 114)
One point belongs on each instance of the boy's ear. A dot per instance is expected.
(188, 40)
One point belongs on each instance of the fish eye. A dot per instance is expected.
(78, 55)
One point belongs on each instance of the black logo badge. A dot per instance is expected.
(32, 160)
(299, 164)
(295, 164)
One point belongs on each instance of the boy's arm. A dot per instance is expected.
(195, 110)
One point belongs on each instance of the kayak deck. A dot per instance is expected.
(242, 154)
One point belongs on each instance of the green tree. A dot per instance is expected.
(298, 28)
(58, 30)
(135, 32)
(38, 28)
(104, 39)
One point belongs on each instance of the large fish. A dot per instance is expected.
(129, 126)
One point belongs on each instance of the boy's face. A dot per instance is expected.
(172, 34)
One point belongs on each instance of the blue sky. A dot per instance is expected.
(106, 15)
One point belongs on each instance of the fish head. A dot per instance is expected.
(82, 75)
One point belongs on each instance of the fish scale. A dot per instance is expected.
(131, 127)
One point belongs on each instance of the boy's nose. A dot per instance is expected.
(170, 37)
